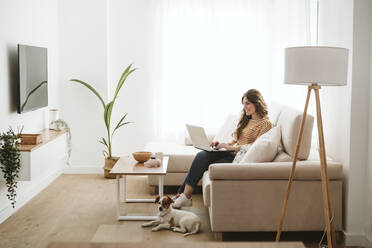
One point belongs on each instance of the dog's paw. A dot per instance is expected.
(144, 225)
(154, 229)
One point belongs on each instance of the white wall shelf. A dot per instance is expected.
(36, 160)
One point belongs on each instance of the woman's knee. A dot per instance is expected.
(201, 159)
(202, 155)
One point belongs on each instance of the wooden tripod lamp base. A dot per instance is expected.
(309, 66)
(324, 175)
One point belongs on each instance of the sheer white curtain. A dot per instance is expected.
(207, 53)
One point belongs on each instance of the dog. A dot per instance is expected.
(172, 219)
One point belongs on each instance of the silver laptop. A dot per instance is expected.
(199, 139)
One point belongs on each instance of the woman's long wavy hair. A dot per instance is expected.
(255, 97)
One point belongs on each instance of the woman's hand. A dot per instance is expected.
(214, 143)
(227, 146)
(224, 145)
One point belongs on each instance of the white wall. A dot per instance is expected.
(96, 46)
(83, 55)
(357, 209)
(31, 22)
(346, 23)
(130, 41)
(335, 29)
(368, 225)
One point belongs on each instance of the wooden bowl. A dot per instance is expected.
(141, 156)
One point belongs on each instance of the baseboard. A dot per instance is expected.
(357, 239)
(82, 170)
(26, 196)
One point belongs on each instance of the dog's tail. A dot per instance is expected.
(196, 230)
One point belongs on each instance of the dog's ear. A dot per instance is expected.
(170, 200)
(167, 201)
(157, 199)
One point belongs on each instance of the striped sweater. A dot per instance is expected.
(252, 131)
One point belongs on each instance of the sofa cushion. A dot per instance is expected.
(290, 121)
(206, 189)
(274, 112)
(224, 134)
(282, 157)
(313, 156)
(180, 156)
(265, 148)
(305, 170)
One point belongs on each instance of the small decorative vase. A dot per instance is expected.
(159, 155)
(53, 116)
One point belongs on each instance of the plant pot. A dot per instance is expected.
(53, 116)
(109, 163)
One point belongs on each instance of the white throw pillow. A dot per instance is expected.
(239, 156)
(265, 148)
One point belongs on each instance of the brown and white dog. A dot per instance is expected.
(173, 219)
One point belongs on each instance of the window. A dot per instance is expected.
(209, 52)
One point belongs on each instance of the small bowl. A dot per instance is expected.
(141, 156)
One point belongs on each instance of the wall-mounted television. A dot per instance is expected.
(33, 78)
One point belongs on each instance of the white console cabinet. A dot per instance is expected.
(41, 159)
(40, 165)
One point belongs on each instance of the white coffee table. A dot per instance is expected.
(127, 166)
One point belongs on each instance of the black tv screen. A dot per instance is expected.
(33, 78)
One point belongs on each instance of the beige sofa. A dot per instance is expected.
(249, 197)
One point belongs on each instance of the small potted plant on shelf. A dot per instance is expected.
(59, 125)
(110, 160)
(10, 162)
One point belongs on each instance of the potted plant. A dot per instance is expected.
(107, 110)
(60, 124)
(10, 162)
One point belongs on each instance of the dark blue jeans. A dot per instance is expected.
(201, 163)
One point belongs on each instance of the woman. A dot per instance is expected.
(252, 124)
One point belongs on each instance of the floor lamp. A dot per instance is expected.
(315, 66)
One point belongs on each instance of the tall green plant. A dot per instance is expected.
(107, 110)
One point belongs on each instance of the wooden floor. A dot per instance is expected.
(81, 208)
(180, 245)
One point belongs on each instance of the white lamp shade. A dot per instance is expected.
(316, 65)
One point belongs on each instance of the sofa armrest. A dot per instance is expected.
(305, 170)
